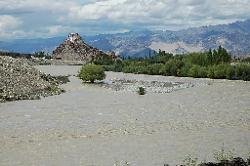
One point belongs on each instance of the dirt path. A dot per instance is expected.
(96, 126)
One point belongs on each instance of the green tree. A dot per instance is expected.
(41, 54)
(91, 72)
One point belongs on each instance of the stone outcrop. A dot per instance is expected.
(75, 49)
(20, 81)
(112, 54)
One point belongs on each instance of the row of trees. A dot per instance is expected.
(212, 64)
(40, 54)
(14, 54)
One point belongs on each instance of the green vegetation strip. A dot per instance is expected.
(215, 64)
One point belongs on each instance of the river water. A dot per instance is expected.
(95, 126)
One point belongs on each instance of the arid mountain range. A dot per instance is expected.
(235, 37)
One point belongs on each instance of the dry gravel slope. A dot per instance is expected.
(20, 81)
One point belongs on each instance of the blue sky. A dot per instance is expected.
(48, 18)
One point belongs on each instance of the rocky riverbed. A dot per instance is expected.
(149, 86)
(97, 126)
(20, 81)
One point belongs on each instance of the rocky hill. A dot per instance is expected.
(75, 49)
(235, 37)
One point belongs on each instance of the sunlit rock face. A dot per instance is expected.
(74, 37)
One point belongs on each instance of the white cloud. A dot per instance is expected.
(9, 26)
(162, 12)
(34, 5)
(9, 22)
(56, 30)
(47, 17)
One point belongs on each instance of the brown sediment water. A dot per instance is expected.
(92, 125)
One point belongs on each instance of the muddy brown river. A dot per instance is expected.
(96, 126)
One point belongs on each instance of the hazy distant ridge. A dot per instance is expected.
(235, 37)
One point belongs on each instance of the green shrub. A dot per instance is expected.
(103, 60)
(154, 69)
(222, 71)
(118, 66)
(246, 60)
(211, 72)
(183, 71)
(197, 71)
(219, 72)
(91, 72)
(172, 67)
(230, 72)
(243, 72)
(141, 91)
